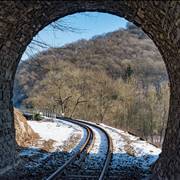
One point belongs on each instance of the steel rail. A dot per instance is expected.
(110, 145)
(90, 135)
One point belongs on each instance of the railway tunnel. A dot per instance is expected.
(20, 21)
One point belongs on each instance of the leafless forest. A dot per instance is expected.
(118, 78)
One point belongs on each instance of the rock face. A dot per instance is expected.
(25, 135)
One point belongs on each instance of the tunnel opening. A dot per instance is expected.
(134, 81)
(160, 20)
(126, 69)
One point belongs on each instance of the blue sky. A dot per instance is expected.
(86, 26)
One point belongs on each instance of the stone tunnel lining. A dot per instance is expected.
(20, 21)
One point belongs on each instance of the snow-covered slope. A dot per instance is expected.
(131, 156)
(59, 132)
(130, 151)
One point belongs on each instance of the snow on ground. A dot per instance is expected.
(59, 131)
(98, 152)
(77, 130)
(68, 139)
(129, 151)
(131, 155)
(38, 156)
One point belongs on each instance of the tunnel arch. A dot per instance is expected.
(20, 21)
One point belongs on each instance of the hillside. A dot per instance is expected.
(111, 53)
(118, 78)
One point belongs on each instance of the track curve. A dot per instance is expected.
(87, 146)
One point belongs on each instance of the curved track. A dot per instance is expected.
(79, 156)
(85, 148)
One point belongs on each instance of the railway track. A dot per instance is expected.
(72, 169)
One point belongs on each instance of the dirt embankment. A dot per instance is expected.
(25, 135)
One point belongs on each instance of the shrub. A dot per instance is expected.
(37, 117)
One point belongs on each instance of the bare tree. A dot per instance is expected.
(78, 101)
(63, 103)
